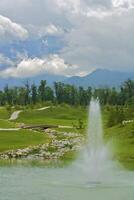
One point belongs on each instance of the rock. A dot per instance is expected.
(59, 147)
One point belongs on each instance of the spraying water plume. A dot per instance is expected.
(95, 131)
(96, 159)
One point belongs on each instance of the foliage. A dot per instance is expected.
(65, 93)
(116, 116)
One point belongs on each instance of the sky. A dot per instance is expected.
(65, 37)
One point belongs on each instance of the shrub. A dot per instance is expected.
(116, 117)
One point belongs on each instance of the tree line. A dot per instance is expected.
(65, 93)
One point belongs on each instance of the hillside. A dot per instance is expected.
(22, 81)
(101, 78)
(98, 78)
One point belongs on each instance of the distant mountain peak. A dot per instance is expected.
(96, 78)
(101, 78)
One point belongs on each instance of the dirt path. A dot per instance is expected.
(44, 108)
(15, 115)
(65, 126)
(9, 129)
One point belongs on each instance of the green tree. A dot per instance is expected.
(27, 93)
(41, 90)
(34, 93)
(49, 94)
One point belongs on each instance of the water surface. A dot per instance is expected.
(32, 183)
(93, 176)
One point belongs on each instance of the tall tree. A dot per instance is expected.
(27, 93)
(41, 90)
(34, 93)
(49, 94)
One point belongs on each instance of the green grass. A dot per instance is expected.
(10, 140)
(60, 115)
(6, 124)
(4, 114)
(122, 139)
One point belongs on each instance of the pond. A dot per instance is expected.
(32, 183)
(93, 176)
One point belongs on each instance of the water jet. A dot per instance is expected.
(96, 162)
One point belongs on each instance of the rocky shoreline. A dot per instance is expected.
(60, 143)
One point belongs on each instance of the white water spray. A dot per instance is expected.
(96, 163)
(95, 131)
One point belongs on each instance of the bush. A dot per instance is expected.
(9, 109)
(80, 124)
(116, 117)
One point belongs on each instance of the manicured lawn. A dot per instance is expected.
(20, 139)
(60, 115)
(4, 114)
(6, 124)
(122, 139)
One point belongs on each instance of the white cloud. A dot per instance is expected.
(123, 3)
(94, 8)
(78, 6)
(52, 30)
(5, 60)
(32, 67)
(102, 43)
(44, 12)
(73, 5)
(10, 30)
(100, 33)
(47, 30)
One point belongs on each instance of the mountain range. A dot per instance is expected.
(98, 78)
(101, 78)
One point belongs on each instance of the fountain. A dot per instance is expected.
(96, 162)
(93, 176)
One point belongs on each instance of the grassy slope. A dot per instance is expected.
(122, 136)
(23, 138)
(60, 115)
(10, 140)
(6, 124)
(17, 139)
(4, 114)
